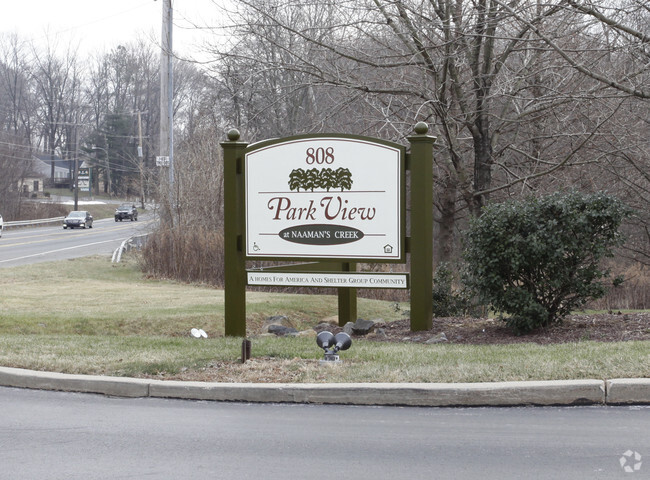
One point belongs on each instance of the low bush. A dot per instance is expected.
(447, 300)
(537, 259)
(36, 210)
(193, 255)
(632, 294)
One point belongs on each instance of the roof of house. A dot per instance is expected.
(43, 165)
(58, 161)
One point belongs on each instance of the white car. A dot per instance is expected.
(2, 225)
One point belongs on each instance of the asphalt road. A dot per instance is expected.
(58, 435)
(28, 245)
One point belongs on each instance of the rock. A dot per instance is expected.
(281, 330)
(276, 320)
(347, 328)
(378, 334)
(363, 327)
(440, 338)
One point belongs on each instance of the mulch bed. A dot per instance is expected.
(609, 327)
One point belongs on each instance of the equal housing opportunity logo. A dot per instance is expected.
(630, 461)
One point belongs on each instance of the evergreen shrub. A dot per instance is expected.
(537, 259)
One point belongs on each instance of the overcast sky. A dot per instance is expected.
(102, 24)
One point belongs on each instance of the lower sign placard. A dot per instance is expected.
(351, 280)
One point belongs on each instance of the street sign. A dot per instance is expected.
(325, 197)
(84, 184)
(83, 179)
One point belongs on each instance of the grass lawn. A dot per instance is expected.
(90, 316)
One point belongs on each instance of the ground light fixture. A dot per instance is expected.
(332, 344)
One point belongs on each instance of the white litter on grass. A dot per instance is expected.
(198, 333)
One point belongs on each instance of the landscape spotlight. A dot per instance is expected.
(324, 340)
(332, 344)
(343, 341)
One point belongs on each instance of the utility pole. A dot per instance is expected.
(75, 177)
(166, 96)
(109, 181)
(140, 156)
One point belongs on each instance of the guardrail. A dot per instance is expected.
(29, 223)
(137, 241)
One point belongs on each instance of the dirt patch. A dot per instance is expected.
(611, 327)
(255, 370)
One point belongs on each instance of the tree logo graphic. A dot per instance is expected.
(325, 179)
(630, 461)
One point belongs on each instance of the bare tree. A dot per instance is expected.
(15, 163)
(122, 93)
(499, 82)
(56, 82)
(15, 89)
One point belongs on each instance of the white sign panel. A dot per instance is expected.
(84, 184)
(355, 280)
(324, 197)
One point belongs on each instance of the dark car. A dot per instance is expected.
(78, 218)
(126, 210)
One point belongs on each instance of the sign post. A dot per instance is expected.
(334, 200)
(421, 244)
(235, 263)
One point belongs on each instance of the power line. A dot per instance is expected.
(60, 152)
(91, 22)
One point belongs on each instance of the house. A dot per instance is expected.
(31, 183)
(34, 178)
(42, 166)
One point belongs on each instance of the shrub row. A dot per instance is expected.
(188, 255)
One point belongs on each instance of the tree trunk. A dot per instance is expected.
(482, 165)
(444, 251)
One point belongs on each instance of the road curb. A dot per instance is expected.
(115, 386)
(555, 392)
(628, 391)
(567, 392)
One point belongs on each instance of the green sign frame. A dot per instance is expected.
(295, 216)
